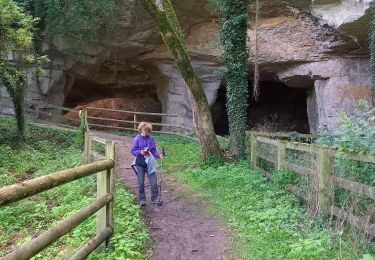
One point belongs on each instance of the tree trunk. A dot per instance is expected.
(15, 82)
(162, 12)
(234, 40)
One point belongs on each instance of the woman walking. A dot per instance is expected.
(144, 150)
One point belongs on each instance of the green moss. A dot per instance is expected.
(173, 37)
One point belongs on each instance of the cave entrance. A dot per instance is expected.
(139, 98)
(279, 108)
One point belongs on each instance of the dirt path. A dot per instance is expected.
(180, 228)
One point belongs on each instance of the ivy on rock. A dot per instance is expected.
(233, 37)
(80, 20)
(16, 35)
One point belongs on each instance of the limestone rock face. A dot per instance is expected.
(320, 46)
(337, 86)
(349, 16)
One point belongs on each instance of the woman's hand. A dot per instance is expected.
(161, 157)
(145, 153)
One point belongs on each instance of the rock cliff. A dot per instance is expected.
(313, 54)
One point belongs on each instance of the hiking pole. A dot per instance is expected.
(135, 171)
(161, 177)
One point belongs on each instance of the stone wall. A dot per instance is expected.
(304, 44)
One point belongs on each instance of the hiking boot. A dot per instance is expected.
(157, 202)
(142, 203)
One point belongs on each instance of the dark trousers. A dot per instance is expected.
(141, 172)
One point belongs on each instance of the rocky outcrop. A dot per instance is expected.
(337, 86)
(315, 45)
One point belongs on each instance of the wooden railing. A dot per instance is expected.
(323, 174)
(284, 135)
(102, 206)
(43, 111)
(178, 127)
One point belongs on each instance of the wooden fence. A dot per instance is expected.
(102, 206)
(283, 135)
(44, 111)
(325, 179)
(52, 113)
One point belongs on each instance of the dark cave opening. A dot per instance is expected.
(142, 98)
(278, 108)
(139, 98)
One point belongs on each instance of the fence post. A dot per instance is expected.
(83, 117)
(87, 135)
(253, 151)
(86, 123)
(103, 180)
(87, 149)
(325, 180)
(248, 146)
(281, 155)
(135, 121)
(110, 154)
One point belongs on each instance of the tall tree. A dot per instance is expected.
(15, 40)
(234, 40)
(163, 14)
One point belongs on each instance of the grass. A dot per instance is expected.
(267, 221)
(48, 151)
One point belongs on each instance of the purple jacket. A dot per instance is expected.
(140, 142)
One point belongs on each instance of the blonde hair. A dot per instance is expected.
(147, 125)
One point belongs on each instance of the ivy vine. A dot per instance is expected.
(233, 37)
(16, 35)
(81, 20)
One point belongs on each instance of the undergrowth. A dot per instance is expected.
(47, 151)
(269, 223)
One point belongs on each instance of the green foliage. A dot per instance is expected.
(16, 28)
(213, 161)
(234, 40)
(47, 151)
(130, 236)
(267, 221)
(15, 82)
(284, 178)
(79, 19)
(180, 152)
(356, 134)
(16, 34)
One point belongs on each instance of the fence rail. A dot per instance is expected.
(283, 135)
(325, 178)
(102, 206)
(40, 110)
